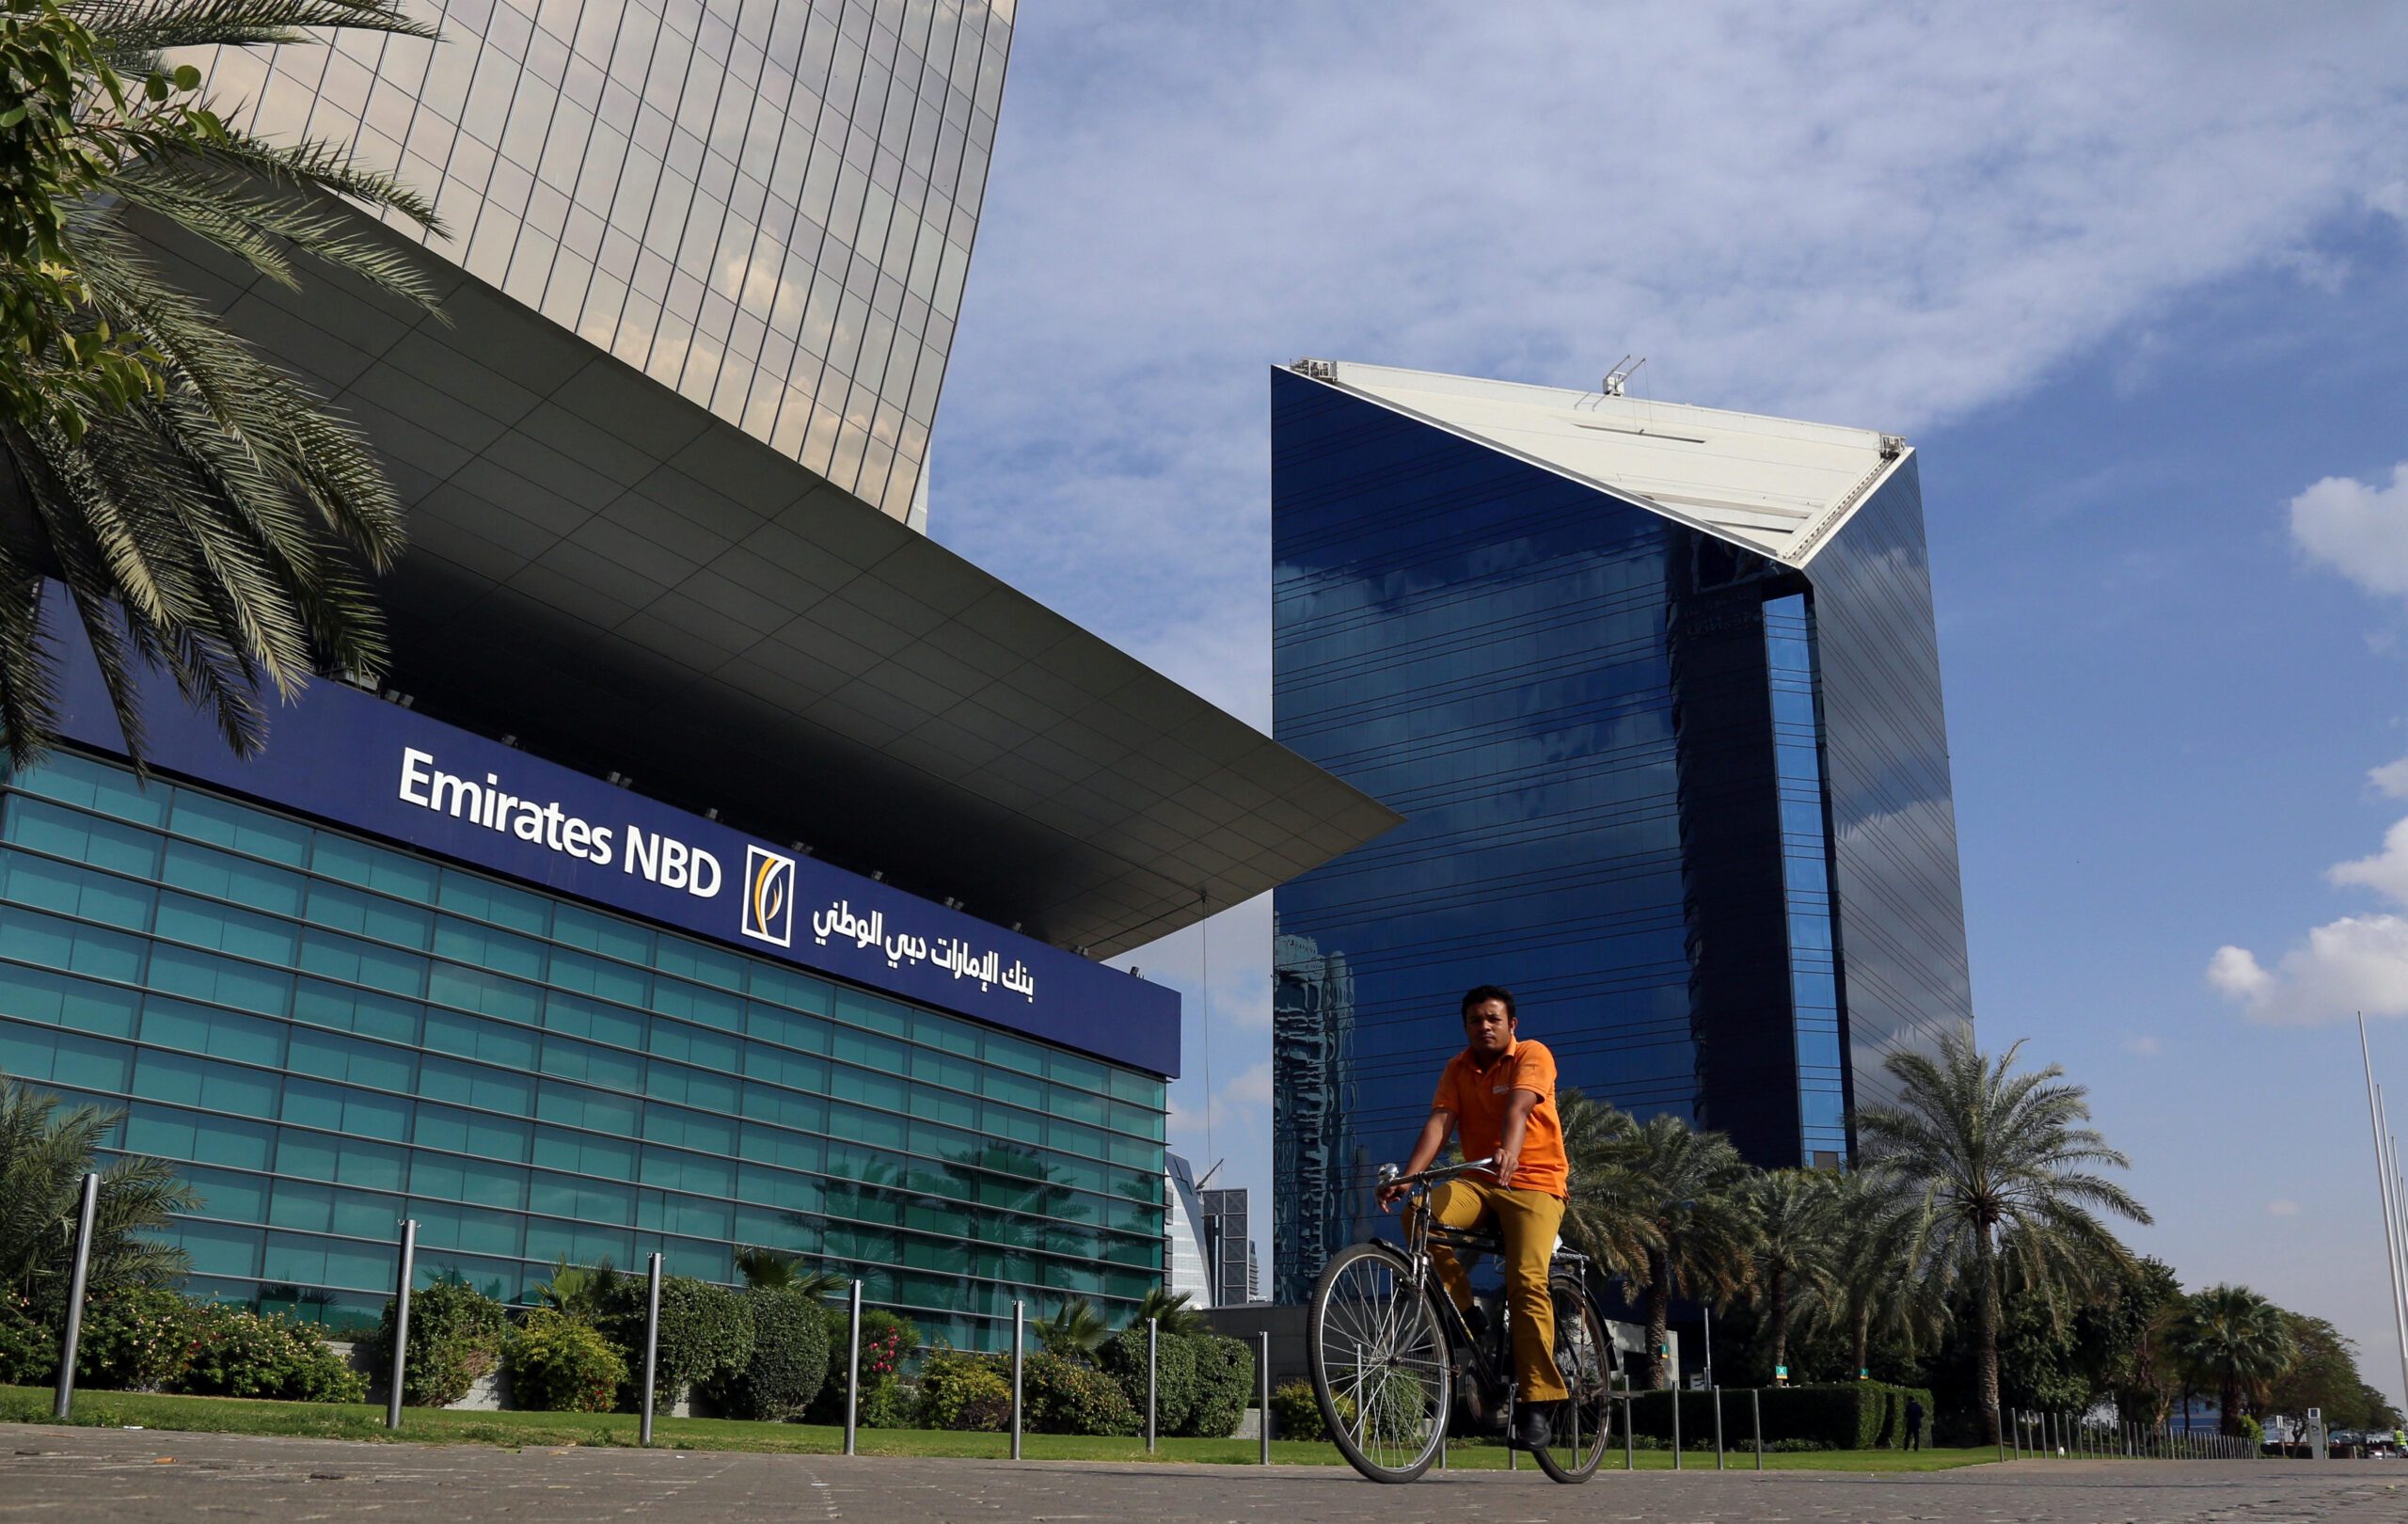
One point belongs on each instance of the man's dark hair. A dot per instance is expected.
(1481, 994)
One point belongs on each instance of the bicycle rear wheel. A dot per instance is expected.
(1380, 1363)
(1584, 1353)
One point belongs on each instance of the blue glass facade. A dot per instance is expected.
(1608, 733)
(331, 1034)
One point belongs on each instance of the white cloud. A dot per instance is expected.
(2357, 963)
(1867, 214)
(2391, 778)
(2357, 529)
(2282, 1207)
(2386, 871)
(2144, 1046)
(2392, 198)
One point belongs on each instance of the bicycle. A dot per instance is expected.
(1394, 1360)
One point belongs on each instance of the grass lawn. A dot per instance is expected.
(333, 1420)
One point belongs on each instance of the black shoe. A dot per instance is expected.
(1531, 1430)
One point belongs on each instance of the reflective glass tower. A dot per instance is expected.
(767, 205)
(1656, 691)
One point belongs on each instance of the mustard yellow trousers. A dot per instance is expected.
(1527, 1221)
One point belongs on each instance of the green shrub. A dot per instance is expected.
(789, 1359)
(964, 1391)
(456, 1333)
(1295, 1413)
(706, 1335)
(1059, 1397)
(561, 1364)
(28, 1348)
(1224, 1385)
(234, 1352)
(889, 1404)
(1123, 1358)
(134, 1338)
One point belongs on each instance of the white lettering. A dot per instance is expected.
(413, 776)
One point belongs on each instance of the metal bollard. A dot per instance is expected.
(1262, 1377)
(1153, 1346)
(854, 1377)
(1675, 1395)
(650, 1350)
(1717, 1428)
(1020, 1339)
(1629, 1429)
(1756, 1410)
(401, 1323)
(65, 1402)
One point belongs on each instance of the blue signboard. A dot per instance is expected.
(355, 760)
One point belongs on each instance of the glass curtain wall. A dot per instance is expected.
(768, 205)
(330, 1036)
(1805, 865)
(1894, 818)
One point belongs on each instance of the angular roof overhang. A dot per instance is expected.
(1775, 485)
(615, 579)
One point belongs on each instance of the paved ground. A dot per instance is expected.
(130, 1477)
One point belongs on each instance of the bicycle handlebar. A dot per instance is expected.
(1389, 1175)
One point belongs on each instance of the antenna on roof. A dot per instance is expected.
(1620, 375)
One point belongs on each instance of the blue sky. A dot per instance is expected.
(2130, 281)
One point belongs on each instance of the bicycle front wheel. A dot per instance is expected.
(1380, 1366)
(1582, 1426)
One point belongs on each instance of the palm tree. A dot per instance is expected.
(204, 513)
(768, 1269)
(1798, 1244)
(1601, 1217)
(1075, 1332)
(2004, 1176)
(1872, 1284)
(2236, 1339)
(1170, 1311)
(43, 1159)
(1679, 1198)
(581, 1291)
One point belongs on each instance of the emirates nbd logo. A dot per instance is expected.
(768, 897)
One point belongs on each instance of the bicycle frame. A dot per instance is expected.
(1419, 1233)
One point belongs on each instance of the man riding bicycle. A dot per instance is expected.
(1499, 1094)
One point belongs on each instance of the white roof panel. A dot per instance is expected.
(1773, 485)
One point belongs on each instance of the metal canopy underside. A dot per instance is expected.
(1776, 485)
(625, 583)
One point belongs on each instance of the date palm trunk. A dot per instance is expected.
(1986, 1321)
(1657, 1304)
(1780, 1305)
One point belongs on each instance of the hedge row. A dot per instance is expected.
(151, 1340)
(1858, 1414)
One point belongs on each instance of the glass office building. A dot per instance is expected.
(1657, 692)
(334, 1033)
(767, 206)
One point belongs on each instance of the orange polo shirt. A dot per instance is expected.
(1478, 1098)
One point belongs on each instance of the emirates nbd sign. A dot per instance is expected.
(359, 763)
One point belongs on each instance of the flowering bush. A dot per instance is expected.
(135, 1339)
(28, 1350)
(234, 1352)
(887, 1340)
(560, 1365)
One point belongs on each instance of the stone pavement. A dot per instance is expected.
(128, 1477)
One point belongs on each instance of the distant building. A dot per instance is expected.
(1228, 1242)
(1187, 1268)
(1315, 1203)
